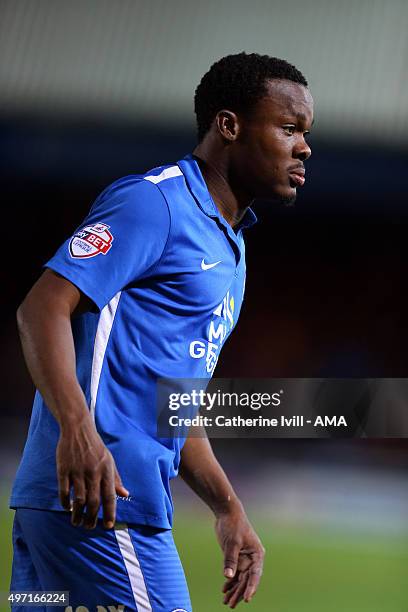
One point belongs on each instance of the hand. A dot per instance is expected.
(85, 464)
(243, 557)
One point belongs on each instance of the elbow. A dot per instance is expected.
(21, 316)
(26, 313)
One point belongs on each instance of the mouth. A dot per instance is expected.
(297, 177)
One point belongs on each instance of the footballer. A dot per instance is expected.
(130, 297)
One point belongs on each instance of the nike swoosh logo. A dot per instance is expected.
(205, 266)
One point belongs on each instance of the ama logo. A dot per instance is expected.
(90, 241)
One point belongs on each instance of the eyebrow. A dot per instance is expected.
(298, 115)
(303, 117)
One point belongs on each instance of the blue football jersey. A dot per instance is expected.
(166, 273)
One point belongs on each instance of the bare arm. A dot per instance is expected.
(83, 461)
(243, 551)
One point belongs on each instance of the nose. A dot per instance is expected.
(302, 150)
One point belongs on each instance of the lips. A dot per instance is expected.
(297, 177)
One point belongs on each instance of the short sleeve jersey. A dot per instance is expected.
(166, 273)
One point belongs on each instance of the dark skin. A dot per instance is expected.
(83, 461)
(258, 156)
(242, 550)
(242, 158)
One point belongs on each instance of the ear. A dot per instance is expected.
(227, 124)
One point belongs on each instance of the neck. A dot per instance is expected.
(231, 203)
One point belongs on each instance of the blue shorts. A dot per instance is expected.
(131, 567)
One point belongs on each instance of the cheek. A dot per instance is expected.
(265, 155)
(275, 149)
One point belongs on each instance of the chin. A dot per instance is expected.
(287, 200)
(285, 197)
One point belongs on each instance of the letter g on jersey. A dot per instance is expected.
(90, 241)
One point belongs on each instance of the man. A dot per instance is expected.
(129, 298)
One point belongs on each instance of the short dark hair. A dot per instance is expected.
(237, 82)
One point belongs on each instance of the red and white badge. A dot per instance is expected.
(90, 241)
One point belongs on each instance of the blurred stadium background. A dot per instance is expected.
(92, 90)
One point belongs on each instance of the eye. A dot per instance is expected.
(289, 129)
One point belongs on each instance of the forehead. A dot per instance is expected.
(285, 97)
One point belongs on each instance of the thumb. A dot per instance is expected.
(231, 554)
(120, 489)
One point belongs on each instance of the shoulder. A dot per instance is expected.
(143, 190)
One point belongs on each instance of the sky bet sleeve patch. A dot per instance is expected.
(90, 241)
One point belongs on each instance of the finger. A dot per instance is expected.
(228, 584)
(108, 502)
(231, 554)
(237, 595)
(120, 489)
(79, 502)
(240, 577)
(63, 491)
(92, 506)
(253, 582)
(228, 594)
